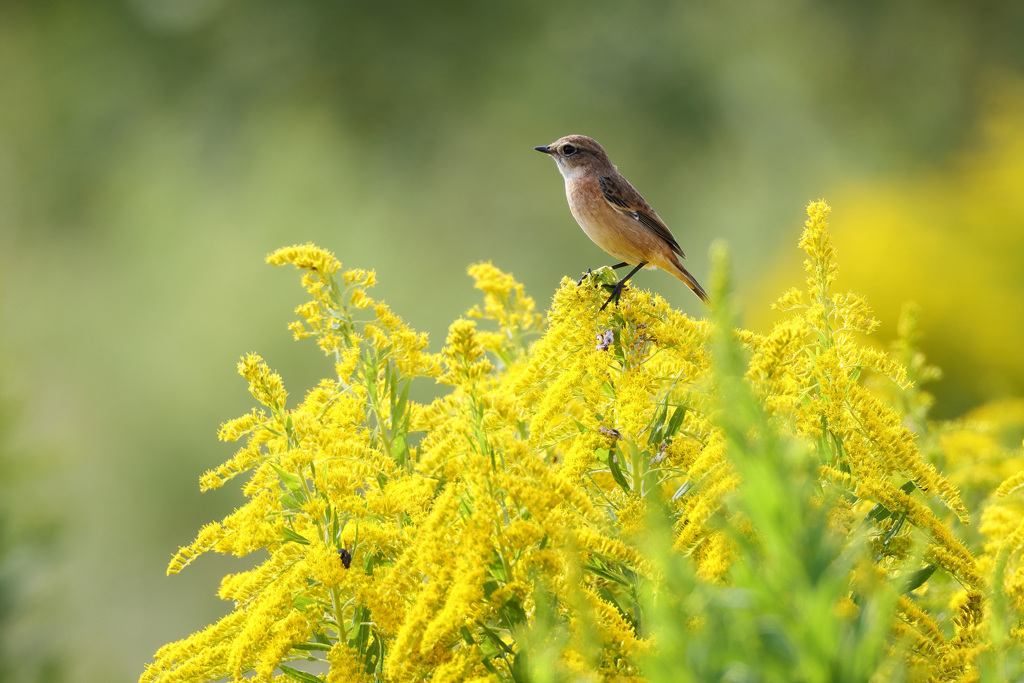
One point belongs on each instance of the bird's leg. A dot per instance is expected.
(617, 288)
(589, 271)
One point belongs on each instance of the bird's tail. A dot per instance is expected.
(681, 273)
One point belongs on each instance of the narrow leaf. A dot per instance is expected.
(301, 676)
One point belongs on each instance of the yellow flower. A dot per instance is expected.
(358, 276)
(464, 355)
(506, 303)
(264, 385)
(306, 257)
(821, 264)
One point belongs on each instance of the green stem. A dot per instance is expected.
(637, 459)
(336, 602)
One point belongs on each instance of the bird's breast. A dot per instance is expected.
(617, 233)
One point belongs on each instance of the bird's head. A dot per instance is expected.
(576, 155)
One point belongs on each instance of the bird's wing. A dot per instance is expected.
(623, 197)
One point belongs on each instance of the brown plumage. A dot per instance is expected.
(614, 215)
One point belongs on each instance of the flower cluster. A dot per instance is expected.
(505, 528)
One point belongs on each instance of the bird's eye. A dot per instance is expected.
(569, 150)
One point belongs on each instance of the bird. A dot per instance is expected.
(614, 215)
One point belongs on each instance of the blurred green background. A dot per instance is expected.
(152, 152)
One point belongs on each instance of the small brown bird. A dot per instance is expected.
(614, 215)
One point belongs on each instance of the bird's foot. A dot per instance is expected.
(616, 292)
(584, 277)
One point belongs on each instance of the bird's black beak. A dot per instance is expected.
(544, 148)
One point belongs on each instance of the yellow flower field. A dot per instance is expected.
(623, 495)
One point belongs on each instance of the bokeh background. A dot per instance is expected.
(152, 152)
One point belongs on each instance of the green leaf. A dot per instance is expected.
(607, 457)
(314, 647)
(292, 482)
(490, 667)
(481, 441)
(303, 603)
(369, 561)
(675, 422)
(301, 676)
(392, 384)
(657, 425)
(603, 573)
(375, 655)
(399, 448)
(917, 579)
(877, 513)
(608, 389)
(292, 502)
(370, 378)
(617, 475)
(513, 612)
(682, 491)
(290, 535)
(494, 637)
(398, 408)
(362, 638)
